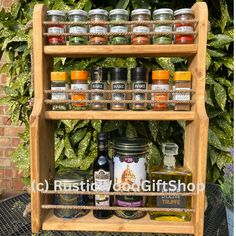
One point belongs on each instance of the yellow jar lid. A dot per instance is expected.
(58, 76)
(160, 75)
(79, 75)
(182, 75)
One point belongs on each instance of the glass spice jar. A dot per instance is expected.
(160, 81)
(76, 16)
(140, 15)
(184, 14)
(56, 16)
(79, 81)
(98, 15)
(163, 14)
(59, 82)
(118, 15)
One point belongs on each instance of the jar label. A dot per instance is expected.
(183, 96)
(160, 96)
(163, 29)
(98, 86)
(129, 201)
(141, 29)
(77, 30)
(56, 30)
(79, 96)
(119, 29)
(139, 86)
(118, 86)
(98, 30)
(58, 96)
(184, 28)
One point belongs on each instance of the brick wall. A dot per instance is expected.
(9, 177)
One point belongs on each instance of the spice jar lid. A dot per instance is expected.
(77, 12)
(118, 74)
(98, 12)
(183, 11)
(79, 75)
(140, 11)
(56, 12)
(163, 11)
(119, 12)
(98, 74)
(182, 75)
(58, 76)
(139, 74)
(160, 75)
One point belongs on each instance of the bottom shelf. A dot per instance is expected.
(115, 224)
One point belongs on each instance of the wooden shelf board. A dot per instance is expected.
(113, 224)
(121, 50)
(119, 115)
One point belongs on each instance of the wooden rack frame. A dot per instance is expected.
(42, 128)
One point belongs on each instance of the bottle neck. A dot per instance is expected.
(169, 162)
(102, 148)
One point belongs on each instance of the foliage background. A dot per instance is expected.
(75, 143)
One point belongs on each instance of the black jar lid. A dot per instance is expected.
(118, 74)
(98, 74)
(139, 74)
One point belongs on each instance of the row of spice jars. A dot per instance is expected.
(119, 15)
(119, 82)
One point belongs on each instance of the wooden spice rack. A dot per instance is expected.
(42, 127)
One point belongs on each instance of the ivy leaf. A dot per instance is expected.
(220, 95)
(131, 131)
(228, 62)
(220, 40)
(215, 141)
(78, 135)
(224, 15)
(97, 125)
(208, 60)
(81, 4)
(208, 98)
(153, 127)
(69, 151)
(70, 163)
(70, 125)
(83, 145)
(216, 173)
(212, 154)
(122, 4)
(231, 92)
(88, 160)
(112, 125)
(155, 157)
(59, 147)
(81, 124)
(166, 64)
(215, 53)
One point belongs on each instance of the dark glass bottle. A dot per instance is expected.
(102, 178)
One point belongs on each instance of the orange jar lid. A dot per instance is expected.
(182, 75)
(79, 75)
(160, 75)
(58, 76)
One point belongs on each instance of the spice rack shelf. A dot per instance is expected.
(42, 126)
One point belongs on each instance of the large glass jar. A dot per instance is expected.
(98, 15)
(76, 16)
(118, 15)
(140, 15)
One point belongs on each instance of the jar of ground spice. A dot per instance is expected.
(98, 15)
(140, 15)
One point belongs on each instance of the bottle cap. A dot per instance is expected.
(118, 74)
(183, 11)
(163, 11)
(102, 136)
(140, 11)
(170, 149)
(58, 76)
(98, 74)
(182, 75)
(77, 12)
(79, 75)
(56, 12)
(139, 74)
(160, 75)
(119, 12)
(98, 12)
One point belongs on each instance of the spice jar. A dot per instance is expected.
(76, 16)
(160, 81)
(184, 14)
(79, 81)
(59, 82)
(182, 81)
(118, 15)
(98, 15)
(70, 180)
(139, 83)
(140, 15)
(99, 82)
(129, 173)
(118, 82)
(56, 16)
(163, 14)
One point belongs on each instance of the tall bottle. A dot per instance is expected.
(102, 178)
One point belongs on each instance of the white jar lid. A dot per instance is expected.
(98, 11)
(77, 12)
(119, 11)
(163, 11)
(140, 11)
(183, 11)
(56, 12)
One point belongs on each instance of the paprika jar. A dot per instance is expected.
(140, 15)
(184, 14)
(56, 16)
(160, 82)
(98, 15)
(79, 81)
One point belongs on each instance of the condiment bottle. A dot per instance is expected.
(98, 15)
(58, 82)
(79, 81)
(184, 14)
(160, 81)
(182, 81)
(56, 16)
(118, 82)
(163, 14)
(118, 15)
(76, 16)
(140, 15)
(99, 82)
(139, 83)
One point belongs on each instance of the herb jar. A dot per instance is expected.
(56, 16)
(139, 83)
(184, 14)
(79, 81)
(160, 81)
(59, 82)
(140, 15)
(129, 155)
(98, 15)
(118, 82)
(182, 81)
(119, 15)
(163, 14)
(77, 16)
(98, 82)
(71, 180)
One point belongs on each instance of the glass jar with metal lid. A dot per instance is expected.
(163, 14)
(76, 16)
(129, 155)
(70, 180)
(98, 15)
(119, 15)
